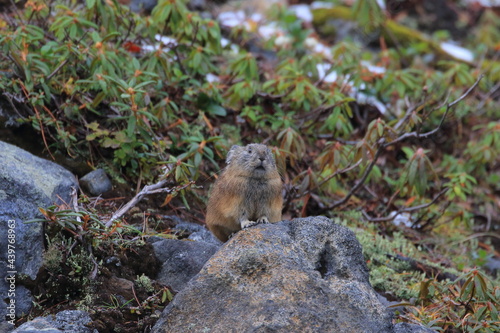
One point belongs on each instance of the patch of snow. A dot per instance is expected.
(381, 4)
(235, 49)
(269, 30)
(323, 49)
(485, 3)
(457, 51)
(283, 40)
(321, 4)
(323, 69)
(303, 12)
(231, 19)
(165, 39)
(257, 17)
(149, 48)
(373, 68)
(224, 42)
(310, 42)
(401, 219)
(212, 78)
(371, 100)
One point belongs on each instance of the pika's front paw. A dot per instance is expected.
(263, 219)
(247, 224)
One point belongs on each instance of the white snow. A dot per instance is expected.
(224, 42)
(373, 68)
(303, 12)
(403, 218)
(457, 51)
(486, 3)
(321, 4)
(269, 30)
(232, 19)
(165, 39)
(212, 78)
(323, 69)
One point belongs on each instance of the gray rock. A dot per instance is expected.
(197, 232)
(206, 236)
(142, 5)
(68, 321)
(26, 183)
(96, 182)
(182, 226)
(23, 301)
(493, 266)
(181, 260)
(40, 324)
(305, 275)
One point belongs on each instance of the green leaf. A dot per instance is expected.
(216, 110)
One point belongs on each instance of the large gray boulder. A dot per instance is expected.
(304, 275)
(26, 183)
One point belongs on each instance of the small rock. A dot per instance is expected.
(205, 236)
(68, 321)
(96, 182)
(122, 287)
(40, 324)
(493, 266)
(181, 260)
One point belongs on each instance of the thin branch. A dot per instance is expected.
(490, 93)
(404, 210)
(179, 61)
(415, 134)
(336, 173)
(368, 170)
(383, 145)
(56, 70)
(149, 189)
(407, 115)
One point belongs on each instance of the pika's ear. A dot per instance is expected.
(230, 153)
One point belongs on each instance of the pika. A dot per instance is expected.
(247, 192)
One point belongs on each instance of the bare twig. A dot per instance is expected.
(490, 93)
(324, 181)
(404, 210)
(149, 189)
(383, 145)
(416, 134)
(179, 61)
(56, 70)
(19, 16)
(358, 185)
(135, 296)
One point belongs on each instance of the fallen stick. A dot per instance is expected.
(148, 189)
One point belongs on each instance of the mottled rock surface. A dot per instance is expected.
(181, 260)
(68, 321)
(304, 275)
(27, 182)
(96, 182)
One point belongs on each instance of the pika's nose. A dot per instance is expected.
(261, 158)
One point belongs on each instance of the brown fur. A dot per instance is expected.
(247, 192)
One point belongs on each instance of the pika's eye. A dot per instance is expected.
(249, 150)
